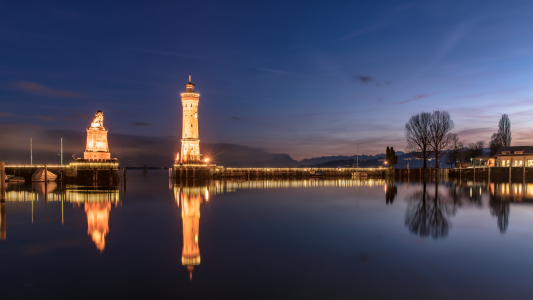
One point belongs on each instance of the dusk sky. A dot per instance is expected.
(305, 78)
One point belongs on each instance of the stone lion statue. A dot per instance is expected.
(98, 121)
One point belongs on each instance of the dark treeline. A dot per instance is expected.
(429, 135)
(431, 207)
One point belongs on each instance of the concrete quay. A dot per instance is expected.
(515, 174)
(84, 172)
(188, 171)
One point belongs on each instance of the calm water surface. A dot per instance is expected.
(315, 239)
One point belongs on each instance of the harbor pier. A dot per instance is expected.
(99, 172)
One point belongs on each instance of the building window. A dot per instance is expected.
(506, 152)
(530, 163)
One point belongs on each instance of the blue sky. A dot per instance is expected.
(307, 78)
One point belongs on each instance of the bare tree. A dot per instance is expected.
(417, 133)
(454, 150)
(500, 209)
(504, 131)
(429, 216)
(502, 138)
(439, 138)
(474, 150)
(495, 144)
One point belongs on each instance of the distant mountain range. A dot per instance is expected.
(376, 161)
(137, 151)
(326, 159)
(131, 150)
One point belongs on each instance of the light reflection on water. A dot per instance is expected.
(249, 236)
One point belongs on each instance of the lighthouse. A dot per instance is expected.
(190, 139)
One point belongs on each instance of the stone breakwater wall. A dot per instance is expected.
(420, 173)
(516, 174)
(90, 172)
(27, 171)
(254, 173)
(218, 172)
(103, 173)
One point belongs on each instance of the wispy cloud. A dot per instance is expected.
(402, 7)
(71, 116)
(38, 89)
(361, 31)
(236, 118)
(62, 13)
(366, 79)
(450, 42)
(7, 115)
(418, 97)
(275, 71)
(47, 118)
(477, 131)
(160, 52)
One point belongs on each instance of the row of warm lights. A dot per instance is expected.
(80, 197)
(233, 185)
(220, 187)
(70, 196)
(33, 166)
(516, 188)
(295, 169)
(95, 164)
(21, 196)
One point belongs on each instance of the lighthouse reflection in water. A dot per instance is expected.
(189, 199)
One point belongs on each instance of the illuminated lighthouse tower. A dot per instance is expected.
(190, 141)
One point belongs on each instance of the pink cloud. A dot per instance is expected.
(38, 89)
(418, 97)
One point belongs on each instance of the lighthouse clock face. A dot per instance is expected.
(196, 116)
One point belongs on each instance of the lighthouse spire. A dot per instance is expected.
(190, 139)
